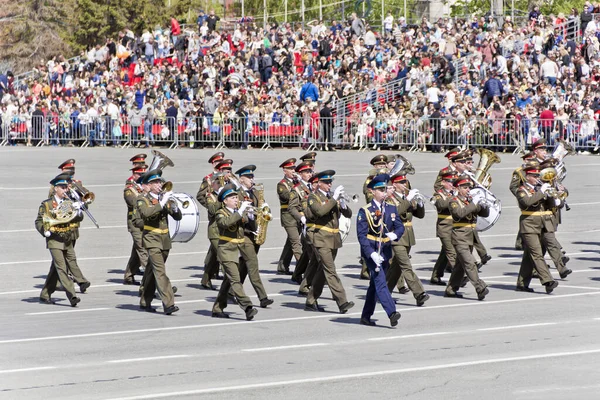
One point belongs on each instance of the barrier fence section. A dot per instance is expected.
(306, 131)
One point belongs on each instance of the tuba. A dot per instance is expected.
(487, 158)
(263, 215)
(402, 164)
(562, 150)
(160, 161)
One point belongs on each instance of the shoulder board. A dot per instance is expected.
(445, 169)
(366, 208)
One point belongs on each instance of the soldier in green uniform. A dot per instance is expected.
(464, 215)
(449, 168)
(248, 263)
(154, 208)
(407, 206)
(535, 222)
(211, 263)
(314, 260)
(443, 226)
(212, 206)
(517, 179)
(230, 220)
(297, 206)
(293, 245)
(322, 214)
(68, 167)
(59, 238)
(550, 241)
(139, 256)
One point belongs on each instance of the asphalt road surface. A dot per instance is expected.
(512, 345)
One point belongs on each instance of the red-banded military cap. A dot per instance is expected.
(449, 175)
(217, 157)
(139, 169)
(462, 156)
(453, 152)
(541, 143)
(531, 169)
(225, 164)
(309, 156)
(463, 180)
(399, 177)
(69, 164)
(304, 166)
(313, 179)
(138, 158)
(289, 163)
(528, 156)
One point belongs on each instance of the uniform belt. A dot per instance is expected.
(155, 230)
(232, 240)
(463, 225)
(384, 239)
(64, 228)
(323, 228)
(444, 216)
(284, 206)
(536, 212)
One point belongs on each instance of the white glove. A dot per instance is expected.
(47, 233)
(165, 198)
(265, 204)
(303, 220)
(245, 204)
(545, 188)
(77, 205)
(557, 202)
(392, 236)
(377, 259)
(337, 192)
(412, 194)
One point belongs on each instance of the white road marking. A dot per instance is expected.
(14, 371)
(291, 347)
(409, 336)
(290, 319)
(370, 374)
(501, 328)
(148, 359)
(75, 310)
(554, 388)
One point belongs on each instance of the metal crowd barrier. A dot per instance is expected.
(309, 132)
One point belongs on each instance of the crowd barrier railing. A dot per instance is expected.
(308, 132)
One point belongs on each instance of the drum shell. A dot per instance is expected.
(483, 224)
(183, 231)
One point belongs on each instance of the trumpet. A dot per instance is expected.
(348, 199)
(168, 187)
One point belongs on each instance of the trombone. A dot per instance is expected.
(168, 187)
(84, 197)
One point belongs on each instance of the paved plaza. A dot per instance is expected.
(512, 345)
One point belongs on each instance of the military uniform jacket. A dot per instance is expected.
(156, 223)
(298, 201)
(518, 179)
(131, 193)
(536, 213)
(204, 190)
(51, 195)
(212, 206)
(231, 234)
(369, 224)
(61, 235)
(441, 200)
(464, 215)
(284, 188)
(437, 185)
(406, 210)
(324, 214)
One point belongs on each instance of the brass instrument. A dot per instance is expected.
(160, 161)
(550, 176)
(562, 150)
(486, 160)
(63, 214)
(263, 215)
(168, 187)
(348, 199)
(85, 197)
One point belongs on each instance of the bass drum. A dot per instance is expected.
(183, 231)
(483, 224)
(345, 225)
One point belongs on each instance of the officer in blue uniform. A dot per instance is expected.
(378, 225)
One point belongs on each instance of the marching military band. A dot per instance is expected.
(314, 215)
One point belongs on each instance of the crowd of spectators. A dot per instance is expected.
(431, 85)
